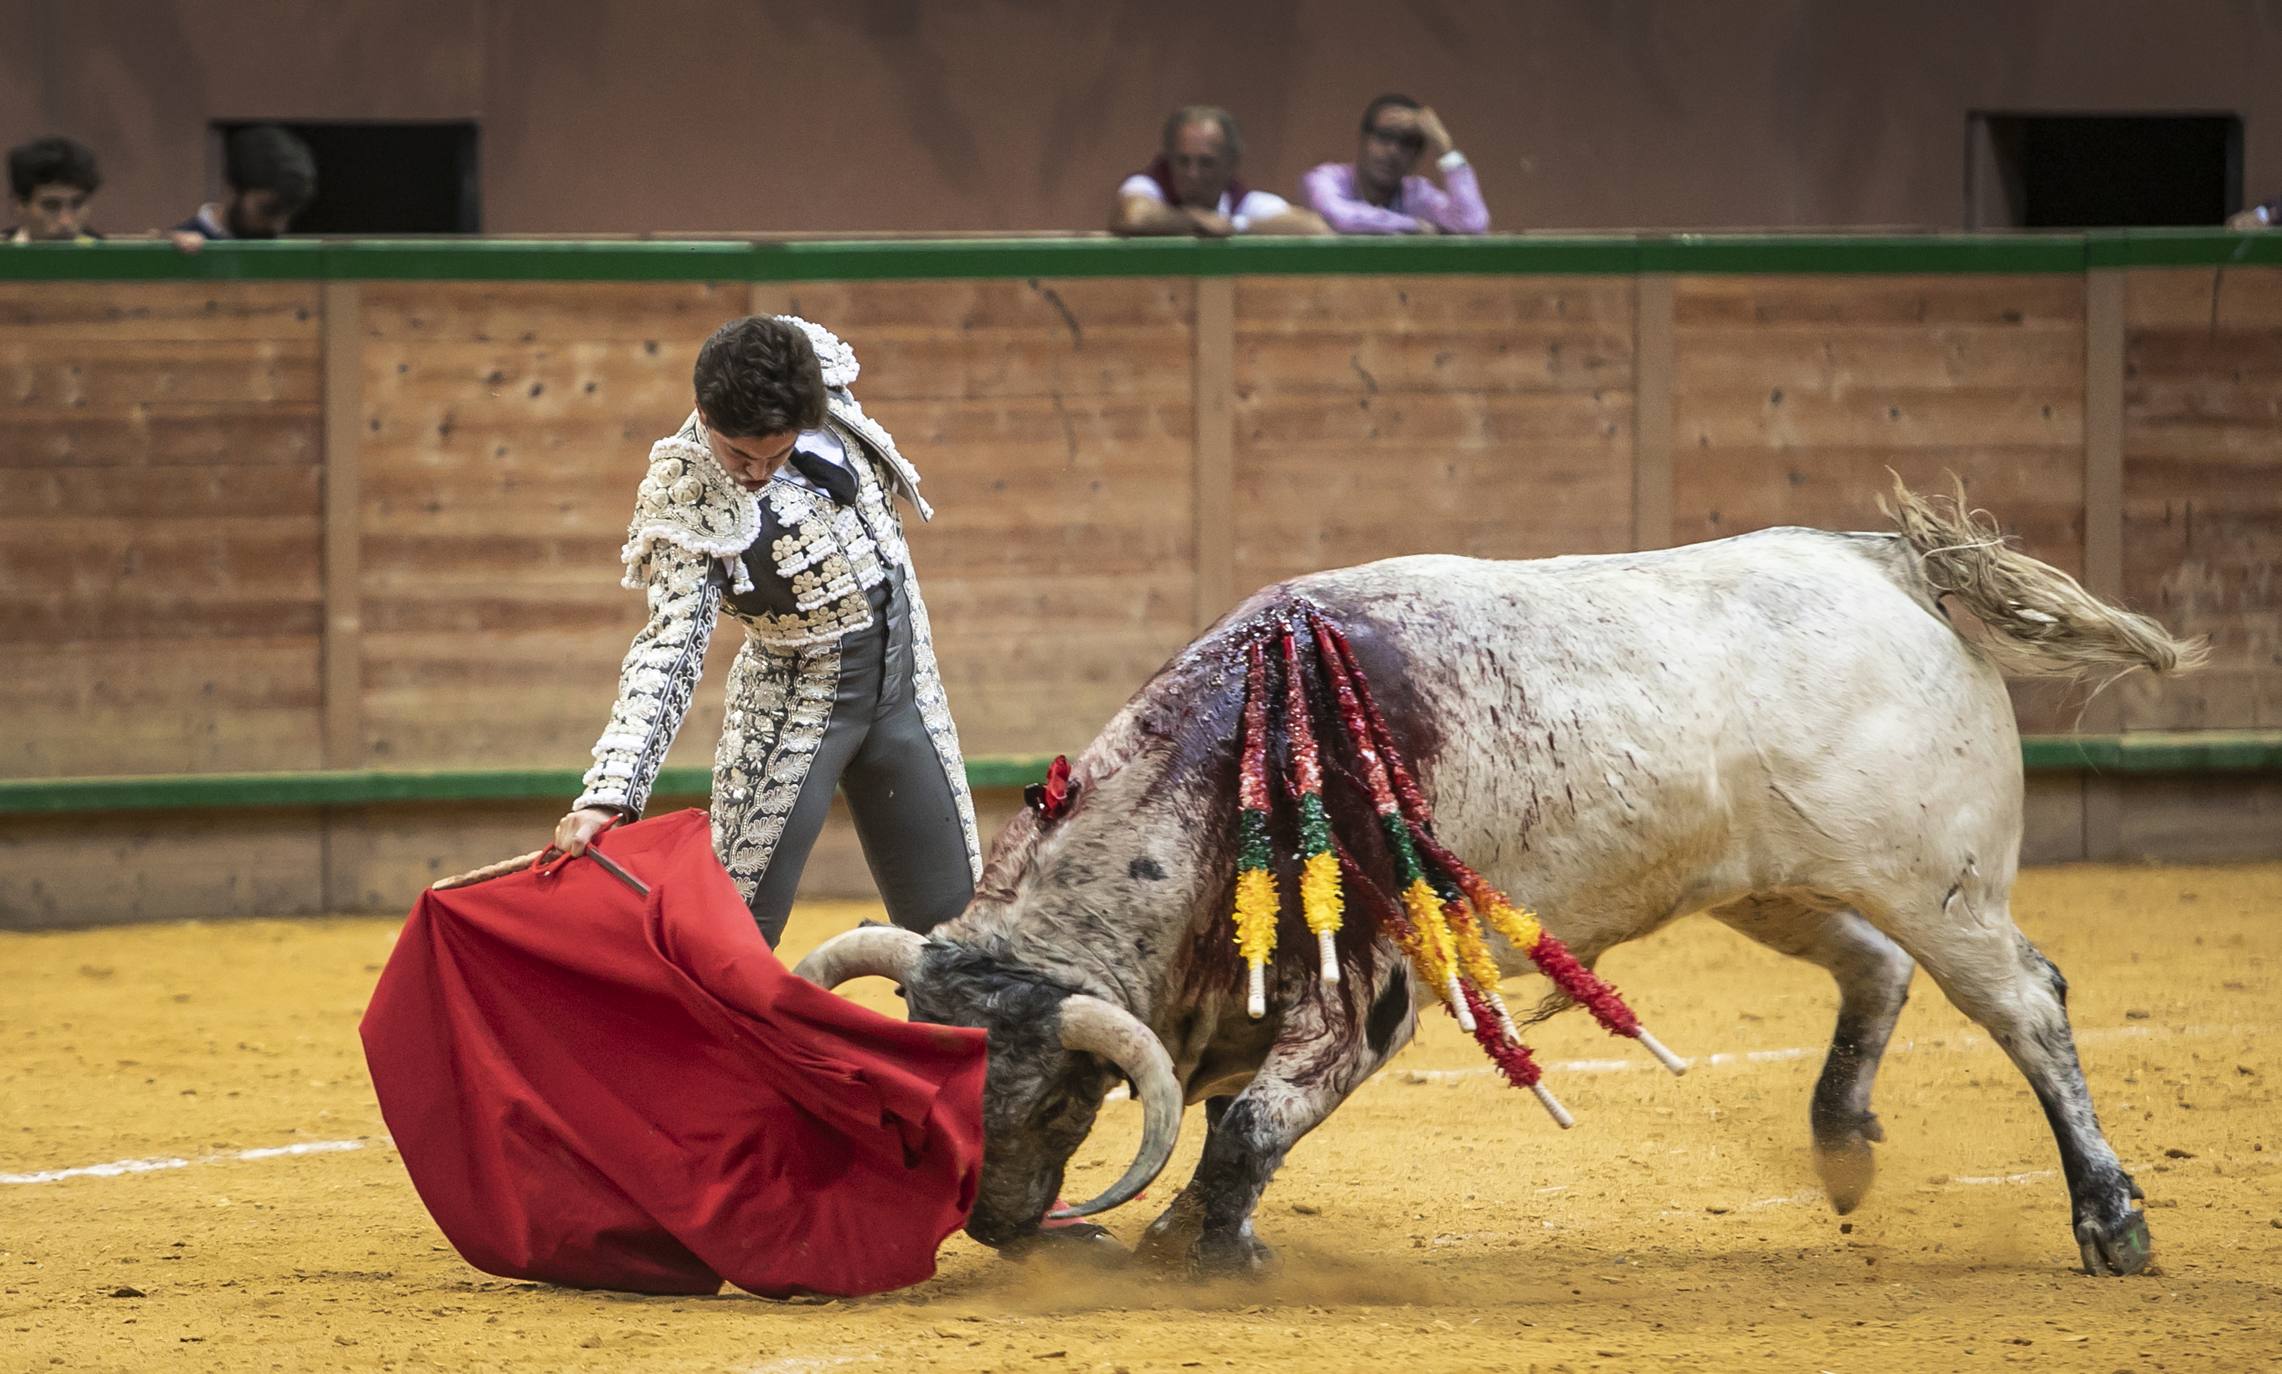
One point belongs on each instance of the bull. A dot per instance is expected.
(1784, 730)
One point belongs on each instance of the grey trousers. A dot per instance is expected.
(876, 751)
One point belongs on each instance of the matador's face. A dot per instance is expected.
(750, 460)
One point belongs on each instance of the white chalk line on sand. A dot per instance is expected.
(1964, 1041)
(119, 1168)
(809, 1364)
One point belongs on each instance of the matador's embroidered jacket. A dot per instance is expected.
(686, 549)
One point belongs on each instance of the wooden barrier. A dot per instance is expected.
(356, 507)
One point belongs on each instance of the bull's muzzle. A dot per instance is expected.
(1089, 1026)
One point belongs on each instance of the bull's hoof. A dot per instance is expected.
(1170, 1242)
(2116, 1245)
(1238, 1254)
(1847, 1167)
(1178, 1244)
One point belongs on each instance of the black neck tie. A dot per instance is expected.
(836, 481)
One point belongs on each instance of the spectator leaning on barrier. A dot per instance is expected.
(52, 179)
(272, 178)
(2264, 215)
(1192, 188)
(1377, 194)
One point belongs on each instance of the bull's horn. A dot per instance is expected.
(881, 951)
(1093, 1026)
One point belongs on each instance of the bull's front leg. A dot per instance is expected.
(1312, 1067)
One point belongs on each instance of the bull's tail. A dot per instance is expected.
(2041, 621)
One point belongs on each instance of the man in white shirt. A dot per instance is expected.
(1192, 188)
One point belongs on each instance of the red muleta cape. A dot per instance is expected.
(603, 1090)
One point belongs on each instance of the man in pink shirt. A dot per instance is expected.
(1377, 194)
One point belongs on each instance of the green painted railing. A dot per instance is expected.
(445, 259)
(2217, 751)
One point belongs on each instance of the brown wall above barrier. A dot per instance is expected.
(610, 116)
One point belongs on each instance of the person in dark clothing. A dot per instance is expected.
(272, 177)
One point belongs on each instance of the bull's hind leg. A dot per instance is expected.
(1971, 947)
(1873, 976)
(1319, 1059)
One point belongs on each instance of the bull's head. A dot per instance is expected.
(1054, 1053)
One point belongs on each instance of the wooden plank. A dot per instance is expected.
(966, 443)
(101, 374)
(1362, 362)
(768, 298)
(196, 312)
(344, 411)
(79, 617)
(2199, 354)
(92, 678)
(161, 705)
(1819, 302)
(160, 492)
(1652, 385)
(1283, 305)
(133, 557)
(2206, 300)
(2036, 492)
(1899, 417)
(675, 315)
(1302, 515)
(1141, 365)
(136, 434)
(1081, 311)
(1836, 361)
(1405, 423)
(601, 381)
(1213, 496)
(174, 736)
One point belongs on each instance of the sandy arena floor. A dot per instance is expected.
(1437, 1220)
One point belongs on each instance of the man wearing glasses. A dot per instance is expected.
(1377, 193)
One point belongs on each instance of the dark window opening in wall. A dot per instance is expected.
(2079, 171)
(384, 178)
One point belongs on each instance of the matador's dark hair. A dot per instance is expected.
(759, 376)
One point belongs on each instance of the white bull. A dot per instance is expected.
(1783, 730)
